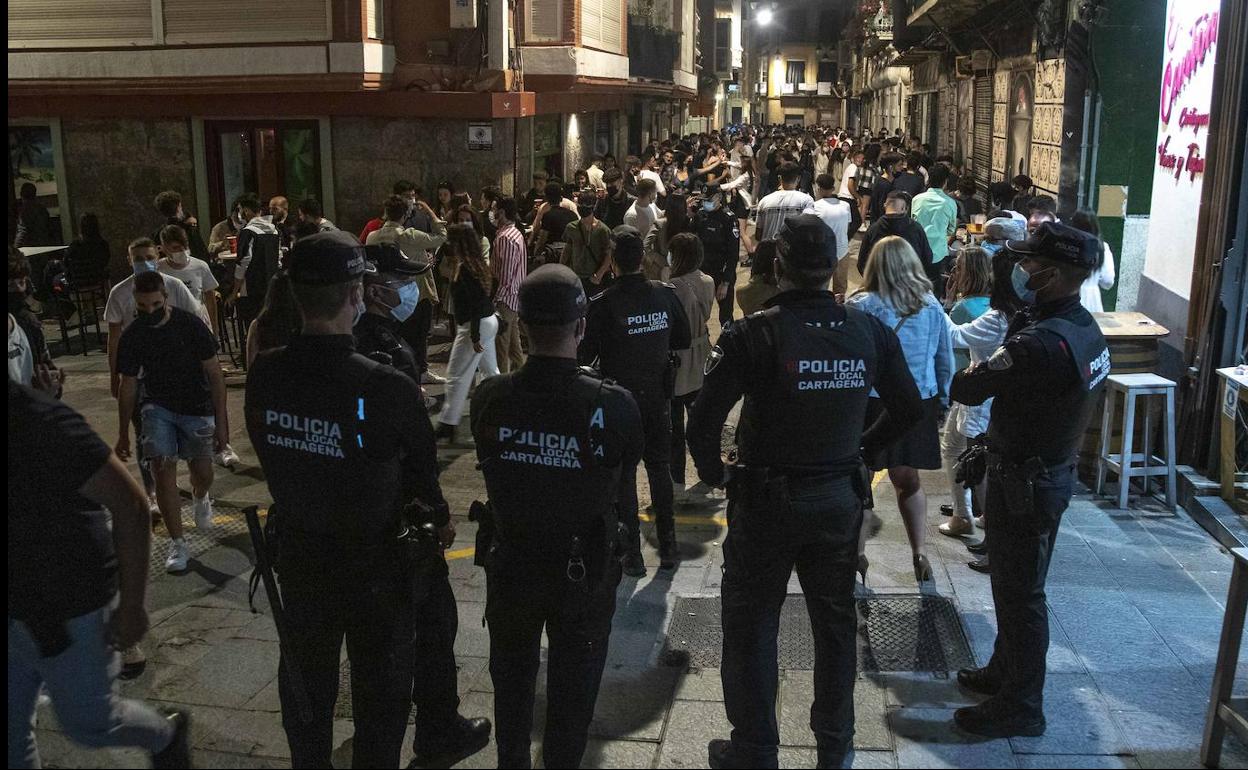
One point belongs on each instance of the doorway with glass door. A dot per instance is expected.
(276, 157)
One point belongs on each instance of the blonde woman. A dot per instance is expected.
(897, 291)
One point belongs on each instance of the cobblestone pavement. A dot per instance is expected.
(1136, 600)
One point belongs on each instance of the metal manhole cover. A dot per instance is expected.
(902, 632)
(229, 524)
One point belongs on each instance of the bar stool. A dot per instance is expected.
(1143, 387)
(1224, 710)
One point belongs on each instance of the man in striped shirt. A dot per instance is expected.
(783, 203)
(509, 260)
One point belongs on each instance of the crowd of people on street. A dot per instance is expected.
(581, 346)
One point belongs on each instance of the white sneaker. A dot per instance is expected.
(178, 557)
(431, 377)
(227, 457)
(979, 522)
(203, 511)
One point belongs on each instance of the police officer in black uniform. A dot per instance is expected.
(718, 229)
(552, 442)
(345, 449)
(1045, 381)
(443, 737)
(631, 329)
(805, 366)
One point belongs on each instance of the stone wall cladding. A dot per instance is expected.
(370, 154)
(116, 167)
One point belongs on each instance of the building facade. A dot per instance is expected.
(112, 101)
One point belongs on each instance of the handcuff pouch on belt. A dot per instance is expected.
(972, 465)
(421, 545)
(669, 375)
(1018, 480)
(483, 515)
(862, 481)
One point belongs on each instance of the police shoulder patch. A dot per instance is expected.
(1000, 360)
(712, 360)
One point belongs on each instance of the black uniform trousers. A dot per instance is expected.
(415, 330)
(1020, 545)
(656, 423)
(435, 685)
(680, 406)
(726, 310)
(577, 621)
(812, 526)
(374, 614)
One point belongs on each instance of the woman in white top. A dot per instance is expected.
(740, 192)
(1103, 277)
(696, 291)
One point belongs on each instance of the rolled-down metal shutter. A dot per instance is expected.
(982, 151)
(68, 23)
(194, 22)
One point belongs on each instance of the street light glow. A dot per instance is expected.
(764, 16)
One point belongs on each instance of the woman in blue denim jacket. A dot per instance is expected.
(897, 292)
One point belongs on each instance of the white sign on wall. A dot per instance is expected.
(1182, 132)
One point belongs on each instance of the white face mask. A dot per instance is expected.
(493, 219)
(178, 258)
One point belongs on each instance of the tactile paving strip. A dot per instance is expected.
(907, 632)
(229, 523)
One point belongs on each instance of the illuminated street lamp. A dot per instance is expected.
(764, 16)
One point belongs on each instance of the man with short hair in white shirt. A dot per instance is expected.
(192, 271)
(849, 189)
(643, 213)
(837, 215)
(595, 172)
(775, 207)
(650, 171)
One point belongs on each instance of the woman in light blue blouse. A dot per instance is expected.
(897, 292)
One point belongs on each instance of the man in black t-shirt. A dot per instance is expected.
(183, 409)
(76, 585)
(554, 219)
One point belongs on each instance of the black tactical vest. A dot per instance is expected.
(807, 397)
(549, 470)
(318, 438)
(1052, 428)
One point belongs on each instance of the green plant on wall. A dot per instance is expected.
(299, 159)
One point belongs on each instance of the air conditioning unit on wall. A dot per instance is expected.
(463, 14)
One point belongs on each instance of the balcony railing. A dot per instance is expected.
(651, 52)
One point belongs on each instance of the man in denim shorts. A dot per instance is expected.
(174, 354)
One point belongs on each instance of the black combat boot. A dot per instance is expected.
(990, 720)
(669, 549)
(979, 680)
(446, 747)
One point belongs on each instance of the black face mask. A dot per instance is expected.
(17, 300)
(149, 319)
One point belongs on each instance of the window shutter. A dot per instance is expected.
(602, 25)
(376, 20)
(191, 22)
(544, 22)
(34, 24)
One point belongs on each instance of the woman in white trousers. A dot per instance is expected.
(476, 325)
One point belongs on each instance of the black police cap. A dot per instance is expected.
(327, 258)
(552, 295)
(811, 244)
(1062, 243)
(389, 258)
(627, 241)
